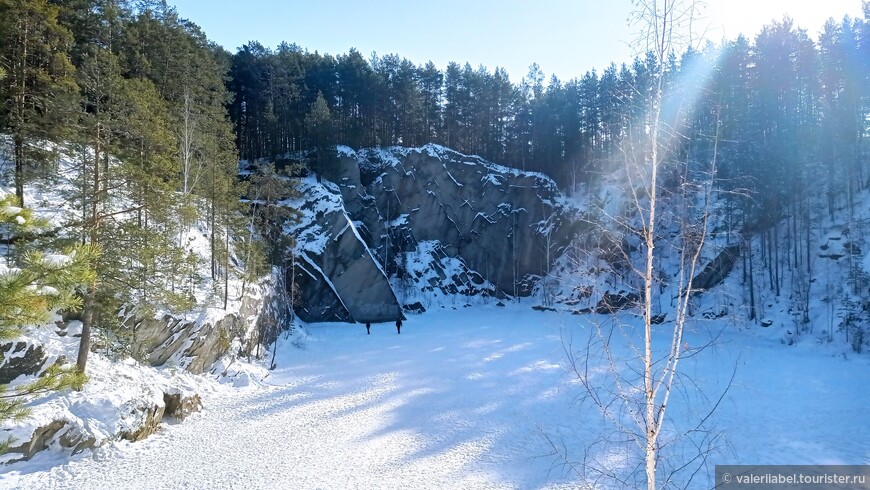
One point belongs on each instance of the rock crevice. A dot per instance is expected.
(425, 218)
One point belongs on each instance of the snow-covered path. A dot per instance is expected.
(459, 400)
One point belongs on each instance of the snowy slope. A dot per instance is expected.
(824, 299)
(117, 399)
(122, 393)
(48, 197)
(831, 287)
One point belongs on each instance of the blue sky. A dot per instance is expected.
(565, 37)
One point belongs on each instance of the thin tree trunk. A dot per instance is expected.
(212, 225)
(227, 262)
(19, 169)
(795, 238)
(20, 104)
(90, 306)
(770, 275)
(776, 259)
(809, 231)
(651, 425)
(752, 313)
(87, 322)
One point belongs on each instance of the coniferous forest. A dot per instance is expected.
(784, 104)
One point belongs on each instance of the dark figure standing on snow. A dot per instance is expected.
(399, 326)
(368, 328)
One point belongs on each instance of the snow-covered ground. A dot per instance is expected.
(464, 399)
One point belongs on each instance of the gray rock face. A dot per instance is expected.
(20, 358)
(196, 344)
(716, 270)
(428, 218)
(337, 276)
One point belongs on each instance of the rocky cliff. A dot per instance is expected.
(195, 341)
(337, 275)
(425, 218)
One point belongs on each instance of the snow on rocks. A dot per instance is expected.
(121, 400)
(433, 278)
(338, 277)
(355, 233)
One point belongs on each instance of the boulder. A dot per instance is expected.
(415, 307)
(543, 308)
(40, 440)
(179, 405)
(76, 440)
(716, 270)
(136, 419)
(69, 436)
(20, 359)
(613, 302)
(658, 319)
(147, 421)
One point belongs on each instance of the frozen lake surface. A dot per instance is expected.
(464, 399)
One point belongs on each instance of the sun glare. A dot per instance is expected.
(728, 18)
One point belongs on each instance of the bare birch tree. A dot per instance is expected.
(664, 26)
(638, 400)
(191, 162)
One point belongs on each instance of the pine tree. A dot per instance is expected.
(431, 88)
(156, 156)
(39, 86)
(318, 123)
(30, 291)
(590, 123)
(454, 101)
